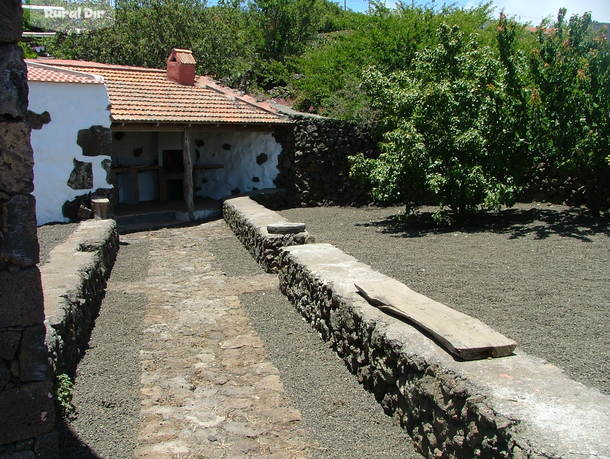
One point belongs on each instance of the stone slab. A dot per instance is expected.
(21, 301)
(13, 81)
(285, 228)
(465, 337)
(26, 412)
(519, 406)
(16, 158)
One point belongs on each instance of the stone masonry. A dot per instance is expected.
(314, 167)
(249, 221)
(26, 400)
(74, 281)
(516, 406)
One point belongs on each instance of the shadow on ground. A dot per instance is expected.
(574, 223)
(70, 445)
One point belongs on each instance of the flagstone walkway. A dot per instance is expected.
(207, 386)
(177, 368)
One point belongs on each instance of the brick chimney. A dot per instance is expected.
(181, 67)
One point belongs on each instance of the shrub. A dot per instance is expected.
(444, 120)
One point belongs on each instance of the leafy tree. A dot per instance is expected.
(569, 108)
(331, 67)
(442, 118)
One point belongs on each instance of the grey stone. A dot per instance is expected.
(262, 158)
(13, 82)
(81, 177)
(10, 21)
(9, 343)
(16, 158)
(286, 228)
(27, 411)
(107, 165)
(21, 295)
(5, 374)
(33, 355)
(95, 141)
(38, 120)
(18, 226)
(46, 445)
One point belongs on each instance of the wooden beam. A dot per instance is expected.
(187, 181)
(463, 336)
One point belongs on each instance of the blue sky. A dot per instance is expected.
(527, 10)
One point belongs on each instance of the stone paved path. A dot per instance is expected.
(208, 388)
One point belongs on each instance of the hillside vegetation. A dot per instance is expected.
(473, 109)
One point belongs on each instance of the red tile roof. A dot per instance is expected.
(145, 95)
(48, 74)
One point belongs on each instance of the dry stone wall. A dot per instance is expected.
(314, 168)
(517, 406)
(27, 415)
(74, 281)
(249, 221)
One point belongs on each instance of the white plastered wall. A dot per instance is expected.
(209, 146)
(72, 107)
(238, 161)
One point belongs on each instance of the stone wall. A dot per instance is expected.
(517, 406)
(74, 281)
(27, 414)
(249, 221)
(314, 167)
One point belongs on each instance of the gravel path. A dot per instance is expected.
(342, 418)
(538, 274)
(50, 236)
(106, 391)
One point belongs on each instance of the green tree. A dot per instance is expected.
(569, 108)
(441, 118)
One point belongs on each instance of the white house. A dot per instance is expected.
(177, 138)
(64, 103)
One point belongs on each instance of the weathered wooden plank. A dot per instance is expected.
(188, 175)
(463, 336)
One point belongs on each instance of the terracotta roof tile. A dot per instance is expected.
(139, 94)
(48, 74)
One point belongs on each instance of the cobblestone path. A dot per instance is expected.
(207, 386)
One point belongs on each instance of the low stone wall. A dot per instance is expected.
(249, 221)
(517, 406)
(74, 284)
(314, 167)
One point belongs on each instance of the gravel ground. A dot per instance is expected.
(50, 236)
(338, 413)
(537, 273)
(106, 390)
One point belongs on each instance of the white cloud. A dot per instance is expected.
(535, 10)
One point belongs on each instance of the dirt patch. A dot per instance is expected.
(50, 236)
(106, 390)
(536, 273)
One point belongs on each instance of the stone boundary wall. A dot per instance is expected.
(74, 283)
(517, 406)
(27, 412)
(314, 166)
(249, 221)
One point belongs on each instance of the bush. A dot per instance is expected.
(569, 110)
(445, 123)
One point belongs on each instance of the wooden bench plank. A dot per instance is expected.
(463, 336)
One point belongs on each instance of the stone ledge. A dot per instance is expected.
(518, 406)
(249, 221)
(74, 284)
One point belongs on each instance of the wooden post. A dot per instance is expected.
(188, 175)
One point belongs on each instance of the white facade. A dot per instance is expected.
(72, 106)
(235, 149)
